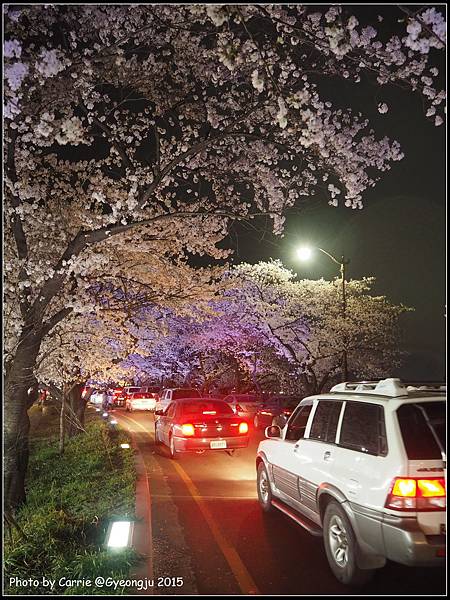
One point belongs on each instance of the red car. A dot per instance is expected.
(198, 425)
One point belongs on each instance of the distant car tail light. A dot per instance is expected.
(414, 494)
(286, 411)
(188, 430)
(243, 427)
(209, 412)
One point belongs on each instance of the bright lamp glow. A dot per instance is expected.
(119, 534)
(124, 446)
(304, 253)
(113, 422)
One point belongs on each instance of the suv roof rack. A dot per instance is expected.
(391, 387)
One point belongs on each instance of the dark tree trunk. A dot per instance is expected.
(77, 407)
(18, 380)
(62, 424)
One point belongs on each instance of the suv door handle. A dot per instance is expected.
(327, 455)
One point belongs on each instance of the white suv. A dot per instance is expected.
(169, 394)
(364, 466)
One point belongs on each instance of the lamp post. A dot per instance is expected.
(305, 253)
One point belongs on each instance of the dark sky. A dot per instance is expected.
(399, 237)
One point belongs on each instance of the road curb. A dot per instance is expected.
(142, 532)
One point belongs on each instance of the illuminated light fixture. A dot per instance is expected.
(119, 535)
(188, 430)
(97, 410)
(124, 446)
(113, 422)
(105, 414)
(304, 253)
(243, 427)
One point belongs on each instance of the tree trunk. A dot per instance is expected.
(62, 417)
(77, 407)
(18, 380)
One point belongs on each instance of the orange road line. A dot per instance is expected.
(239, 570)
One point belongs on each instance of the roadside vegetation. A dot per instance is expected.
(61, 530)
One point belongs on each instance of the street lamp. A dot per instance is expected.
(305, 253)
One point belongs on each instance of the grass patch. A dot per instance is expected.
(70, 500)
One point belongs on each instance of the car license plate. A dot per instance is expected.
(218, 444)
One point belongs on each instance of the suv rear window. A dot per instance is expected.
(185, 393)
(325, 420)
(206, 408)
(363, 428)
(418, 437)
(132, 390)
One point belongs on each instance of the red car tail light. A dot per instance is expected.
(243, 427)
(414, 494)
(188, 430)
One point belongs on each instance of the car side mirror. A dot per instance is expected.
(159, 412)
(273, 431)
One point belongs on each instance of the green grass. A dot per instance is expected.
(70, 500)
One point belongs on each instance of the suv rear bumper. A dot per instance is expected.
(406, 543)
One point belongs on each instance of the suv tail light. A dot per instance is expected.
(188, 430)
(243, 427)
(417, 494)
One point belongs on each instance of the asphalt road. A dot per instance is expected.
(208, 529)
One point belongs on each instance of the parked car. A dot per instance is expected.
(140, 401)
(276, 411)
(169, 394)
(201, 424)
(364, 467)
(245, 405)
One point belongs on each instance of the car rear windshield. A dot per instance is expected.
(185, 393)
(421, 423)
(206, 408)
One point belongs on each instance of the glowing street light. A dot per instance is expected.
(305, 253)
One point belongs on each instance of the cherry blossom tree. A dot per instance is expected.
(154, 127)
(303, 322)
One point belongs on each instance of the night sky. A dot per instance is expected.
(399, 237)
